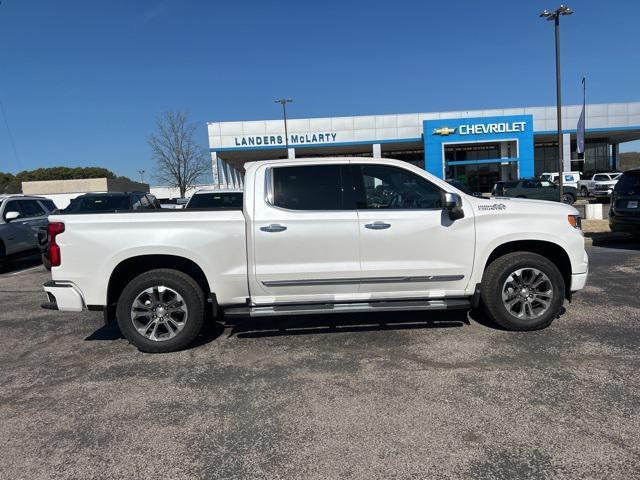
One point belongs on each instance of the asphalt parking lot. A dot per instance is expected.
(415, 396)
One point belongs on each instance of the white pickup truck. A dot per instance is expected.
(319, 236)
(600, 185)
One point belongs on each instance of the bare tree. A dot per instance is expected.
(180, 161)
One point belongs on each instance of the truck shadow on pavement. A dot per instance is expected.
(343, 323)
(247, 328)
(15, 264)
(614, 240)
(244, 328)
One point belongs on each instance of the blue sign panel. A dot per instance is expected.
(518, 128)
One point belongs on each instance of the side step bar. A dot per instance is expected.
(380, 306)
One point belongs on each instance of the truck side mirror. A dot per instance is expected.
(11, 215)
(453, 205)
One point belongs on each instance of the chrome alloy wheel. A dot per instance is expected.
(159, 313)
(527, 293)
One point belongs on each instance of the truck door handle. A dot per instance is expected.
(378, 225)
(274, 227)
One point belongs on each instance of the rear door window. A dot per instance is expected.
(31, 209)
(312, 187)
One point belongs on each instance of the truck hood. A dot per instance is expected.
(520, 206)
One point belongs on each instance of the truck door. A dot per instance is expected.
(409, 247)
(305, 235)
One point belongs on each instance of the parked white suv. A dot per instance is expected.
(319, 236)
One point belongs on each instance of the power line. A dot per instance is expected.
(11, 140)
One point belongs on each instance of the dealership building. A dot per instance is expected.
(477, 147)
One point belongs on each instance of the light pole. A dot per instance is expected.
(141, 172)
(283, 102)
(555, 16)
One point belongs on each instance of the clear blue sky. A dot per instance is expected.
(82, 81)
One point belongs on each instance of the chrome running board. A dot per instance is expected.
(380, 306)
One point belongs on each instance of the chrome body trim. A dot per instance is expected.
(351, 281)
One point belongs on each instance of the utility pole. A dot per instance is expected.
(283, 102)
(555, 16)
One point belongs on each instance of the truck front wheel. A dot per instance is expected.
(161, 311)
(522, 291)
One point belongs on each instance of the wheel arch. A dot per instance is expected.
(552, 251)
(131, 267)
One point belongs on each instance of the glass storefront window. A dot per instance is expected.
(545, 158)
(477, 151)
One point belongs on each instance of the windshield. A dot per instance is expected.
(216, 200)
(628, 184)
(98, 204)
(546, 177)
(460, 186)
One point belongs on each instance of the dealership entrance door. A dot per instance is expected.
(480, 165)
(482, 176)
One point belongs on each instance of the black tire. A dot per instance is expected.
(568, 198)
(3, 256)
(494, 279)
(45, 261)
(584, 191)
(192, 297)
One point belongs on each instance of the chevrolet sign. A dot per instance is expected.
(484, 128)
(444, 131)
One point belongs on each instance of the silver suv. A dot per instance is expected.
(21, 217)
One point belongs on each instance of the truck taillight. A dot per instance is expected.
(54, 229)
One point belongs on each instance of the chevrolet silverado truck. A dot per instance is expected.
(330, 235)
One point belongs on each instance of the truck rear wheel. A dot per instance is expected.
(522, 291)
(161, 311)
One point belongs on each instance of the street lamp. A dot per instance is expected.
(555, 16)
(283, 102)
(141, 172)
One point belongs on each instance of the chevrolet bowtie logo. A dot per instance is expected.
(444, 131)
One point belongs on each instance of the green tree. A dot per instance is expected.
(10, 183)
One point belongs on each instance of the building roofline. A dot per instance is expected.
(469, 111)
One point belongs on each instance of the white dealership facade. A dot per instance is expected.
(477, 147)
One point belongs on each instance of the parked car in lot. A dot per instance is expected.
(216, 199)
(624, 212)
(173, 203)
(534, 188)
(319, 236)
(600, 184)
(112, 202)
(570, 179)
(20, 218)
